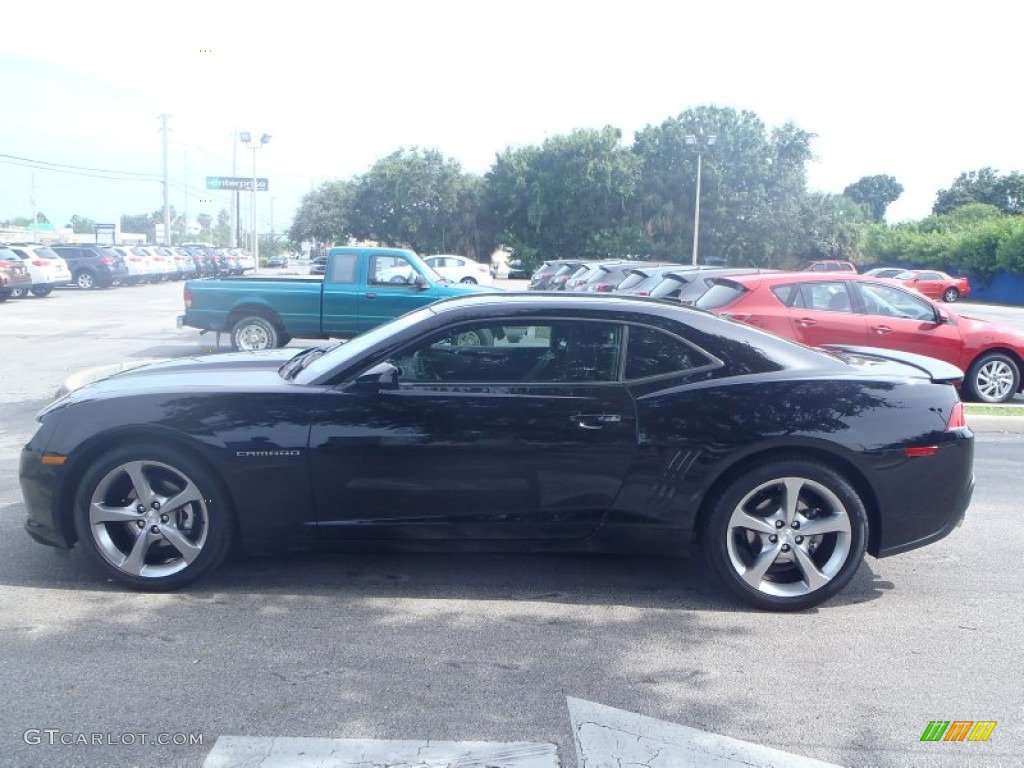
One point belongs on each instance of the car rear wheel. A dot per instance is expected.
(786, 535)
(42, 291)
(993, 378)
(85, 280)
(4, 295)
(950, 295)
(152, 518)
(468, 281)
(19, 293)
(253, 333)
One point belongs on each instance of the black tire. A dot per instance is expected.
(950, 295)
(4, 295)
(468, 281)
(42, 291)
(19, 293)
(85, 280)
(254, 332)
(170, 543)
(992, 378)
(749, 526)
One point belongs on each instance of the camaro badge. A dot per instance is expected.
(261, 454)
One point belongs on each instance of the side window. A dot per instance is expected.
(892, 302)
(518, 354)
(789, 295)
(343, 268)
(828, 297)
(391, 270)
(651, 352)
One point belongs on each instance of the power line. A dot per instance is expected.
(60, 167)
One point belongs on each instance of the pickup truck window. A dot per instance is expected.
(343, 268)
(392, 270)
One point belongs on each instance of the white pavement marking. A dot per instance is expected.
(287, 752)
(610, 738)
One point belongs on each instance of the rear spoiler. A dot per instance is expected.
(938, 371)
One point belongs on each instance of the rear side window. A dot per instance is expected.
(651, 352)
(721, 294)
(343, 268)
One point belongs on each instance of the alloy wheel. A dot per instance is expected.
(148, 519)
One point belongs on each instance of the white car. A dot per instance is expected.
(459, 269)
(44, 266)
(138, 266)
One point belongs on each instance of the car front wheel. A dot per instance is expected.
(786, 535)
(254, 333)
(42, 291)
(993, 378)
(468, 281)
(85, 280)
(950, 295)
(152, 518)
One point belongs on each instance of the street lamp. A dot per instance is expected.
(249, 141)
(693, 141)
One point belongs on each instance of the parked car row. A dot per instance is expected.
(825, 303)
(90, 265)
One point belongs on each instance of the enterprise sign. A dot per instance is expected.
(236, 182)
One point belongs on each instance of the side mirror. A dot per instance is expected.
(941, 318)
(420, 281)
(383, 376)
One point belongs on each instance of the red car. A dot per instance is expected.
(935, 284)
(853, 310)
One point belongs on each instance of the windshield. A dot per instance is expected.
(338, 357)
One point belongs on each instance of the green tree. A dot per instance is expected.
(222, 231)
(323, 215)
(82, 225)
(875, 193)
(569, 196)
(983, 186)
(752, 186)
(415, 198)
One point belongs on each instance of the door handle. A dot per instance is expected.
(371, 295)
(806, 322)
(595, 420)
(881, 329)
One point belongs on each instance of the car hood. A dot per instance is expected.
(997, 331)
(228, 371)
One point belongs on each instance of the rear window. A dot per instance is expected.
(651, 352)
(721, 294)
(669, 287)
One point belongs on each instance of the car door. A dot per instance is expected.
(822, 312)
(897, 319)
(528, 437)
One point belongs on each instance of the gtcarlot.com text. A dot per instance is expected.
(55, 736)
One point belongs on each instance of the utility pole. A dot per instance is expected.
(167, 184)
(235, 202)
(35, 227)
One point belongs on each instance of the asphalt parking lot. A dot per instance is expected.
(482, 647)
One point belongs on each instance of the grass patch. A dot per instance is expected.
(993, 410)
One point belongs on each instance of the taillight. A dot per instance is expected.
(603, 287)
(38, 263)
(188, 297)
(106, 260)
(641, 293)
(957, 419)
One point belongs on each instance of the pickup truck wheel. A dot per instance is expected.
(254, 332)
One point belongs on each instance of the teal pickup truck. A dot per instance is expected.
(361, 288)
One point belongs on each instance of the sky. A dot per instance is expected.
(922, 91)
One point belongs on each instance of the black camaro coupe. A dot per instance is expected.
(514, 421)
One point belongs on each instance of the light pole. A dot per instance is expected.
(249, 141)
(693, 141)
